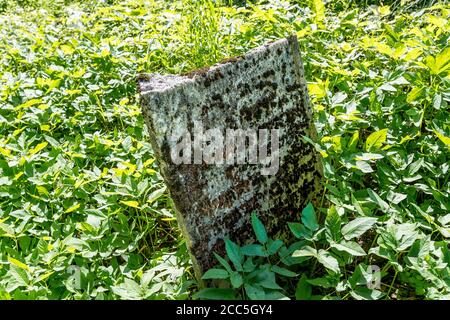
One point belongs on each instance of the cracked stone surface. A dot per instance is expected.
(263, 89)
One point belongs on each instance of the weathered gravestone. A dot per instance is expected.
(228, 140)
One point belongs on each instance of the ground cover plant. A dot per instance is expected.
(84, 213)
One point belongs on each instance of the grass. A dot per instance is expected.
(84, 213)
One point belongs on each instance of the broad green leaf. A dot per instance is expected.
(415, 166)
(333, 225)
(357, 227)
(72, 208)
(376, 139)
(396, 197)
(45, 276)
(309, 218)
(249, 266)
(444, 139)
(328, 261)
(353, 141)
(223, 262)
(350, 247)
(364, 166)
(275, 295)
(19, 264)
(258, 227)
(299, 230)
(369, 156)
(380, 202)
(305, 252)
(253, 250)
(155, 195)
(266, 279)
(236, 279)
(283, 271)
(321, 282)
(215, 274)
(131, 203)
(362, 293)
(415, 95)
(303, 290)
(357, 206)
(20, 275)
(234, 253)
(440, 63)
(274, 246)
(254, 292)
(28, 104)
(128, 290)
(37, 148)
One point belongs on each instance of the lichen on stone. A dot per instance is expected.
(263, 89)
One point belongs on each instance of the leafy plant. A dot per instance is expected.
(252, 272)
(84, 213)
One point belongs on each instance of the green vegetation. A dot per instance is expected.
(84, 213)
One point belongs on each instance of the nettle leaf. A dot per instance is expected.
(253, 250)
(376, 139)
(357, 227)
(223, 262)
(300, 231)
(274, 246)
(236, 280)
(333, 225)
(283, 271)
(350, 247)
(216, 274)
(249, 266)
(258, 227)
(234, 253)
(309, 218)
(266, 279)
(255, 292)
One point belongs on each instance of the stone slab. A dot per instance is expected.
(263, 89)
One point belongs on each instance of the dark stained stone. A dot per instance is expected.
(264, 89)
